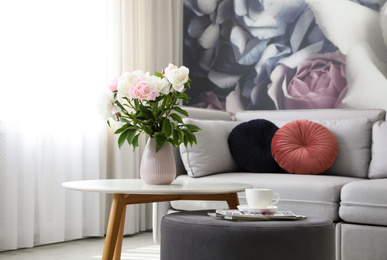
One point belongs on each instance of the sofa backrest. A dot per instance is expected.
(351, 127)
(209, 114)
(311, 114)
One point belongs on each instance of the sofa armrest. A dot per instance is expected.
(208, 114)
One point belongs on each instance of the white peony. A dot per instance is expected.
(162, 85)
(106, 106)
(177, 76)
(128, 80)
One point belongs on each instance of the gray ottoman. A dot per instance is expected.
(195, 236)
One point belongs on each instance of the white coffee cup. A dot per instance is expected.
(261, 198)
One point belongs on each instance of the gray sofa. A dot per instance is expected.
(352, 193)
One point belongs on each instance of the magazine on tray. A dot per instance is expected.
(234, 214)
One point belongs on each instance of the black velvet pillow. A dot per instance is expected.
(250, 145)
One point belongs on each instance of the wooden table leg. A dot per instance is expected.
(120, 235)
(114, 235)
(116, 212)
(232, 200)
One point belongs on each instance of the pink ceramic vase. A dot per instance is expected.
(157, 168)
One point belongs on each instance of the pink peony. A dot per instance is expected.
(318, 82)
(143, 91)
(113, 85)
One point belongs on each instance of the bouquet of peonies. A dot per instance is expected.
(150, 104)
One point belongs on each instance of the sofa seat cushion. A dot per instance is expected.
(304, 194)
(365, 202)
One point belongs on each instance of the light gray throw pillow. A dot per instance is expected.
(211, 154)
(378, 166)
(354, 139)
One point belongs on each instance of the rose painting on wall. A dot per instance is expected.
(285, 54)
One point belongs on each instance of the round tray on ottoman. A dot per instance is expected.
(193, 235)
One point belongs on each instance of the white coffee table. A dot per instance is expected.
(135, 191)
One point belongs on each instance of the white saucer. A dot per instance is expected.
(246, 208)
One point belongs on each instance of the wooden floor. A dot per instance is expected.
(135, 247)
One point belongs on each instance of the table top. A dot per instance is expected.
(137, 186)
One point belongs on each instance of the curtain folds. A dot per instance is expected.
(56, 59)
(152, 34)
(50, 132)
(145, 35)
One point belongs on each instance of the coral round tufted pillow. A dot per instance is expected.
(304, 147)
(250, 146)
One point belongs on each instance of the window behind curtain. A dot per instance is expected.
(53, 58)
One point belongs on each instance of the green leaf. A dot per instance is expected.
(135, 141)
(167, 127)
(160, 140)
(194, 140)
(127, 135)
(191, 138)
(142, 116)
(186, 140)
(176, 138)
(177, 118)
(148, 130)
(180, 134)
(164, 103)
(158, 99)
(132, 116)
(193, 128)
(158, 74)
(181, 111)
(121, 139)
(146, 110)
(124, 120)
(130, 136)
(184, 97)
(122, 129)
(120, 105)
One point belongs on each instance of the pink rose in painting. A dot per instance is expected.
(113, 85)
(143, 91)
(318, 82)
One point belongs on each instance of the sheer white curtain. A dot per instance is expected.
(56, 56)
(52, 64)
(146, 35)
